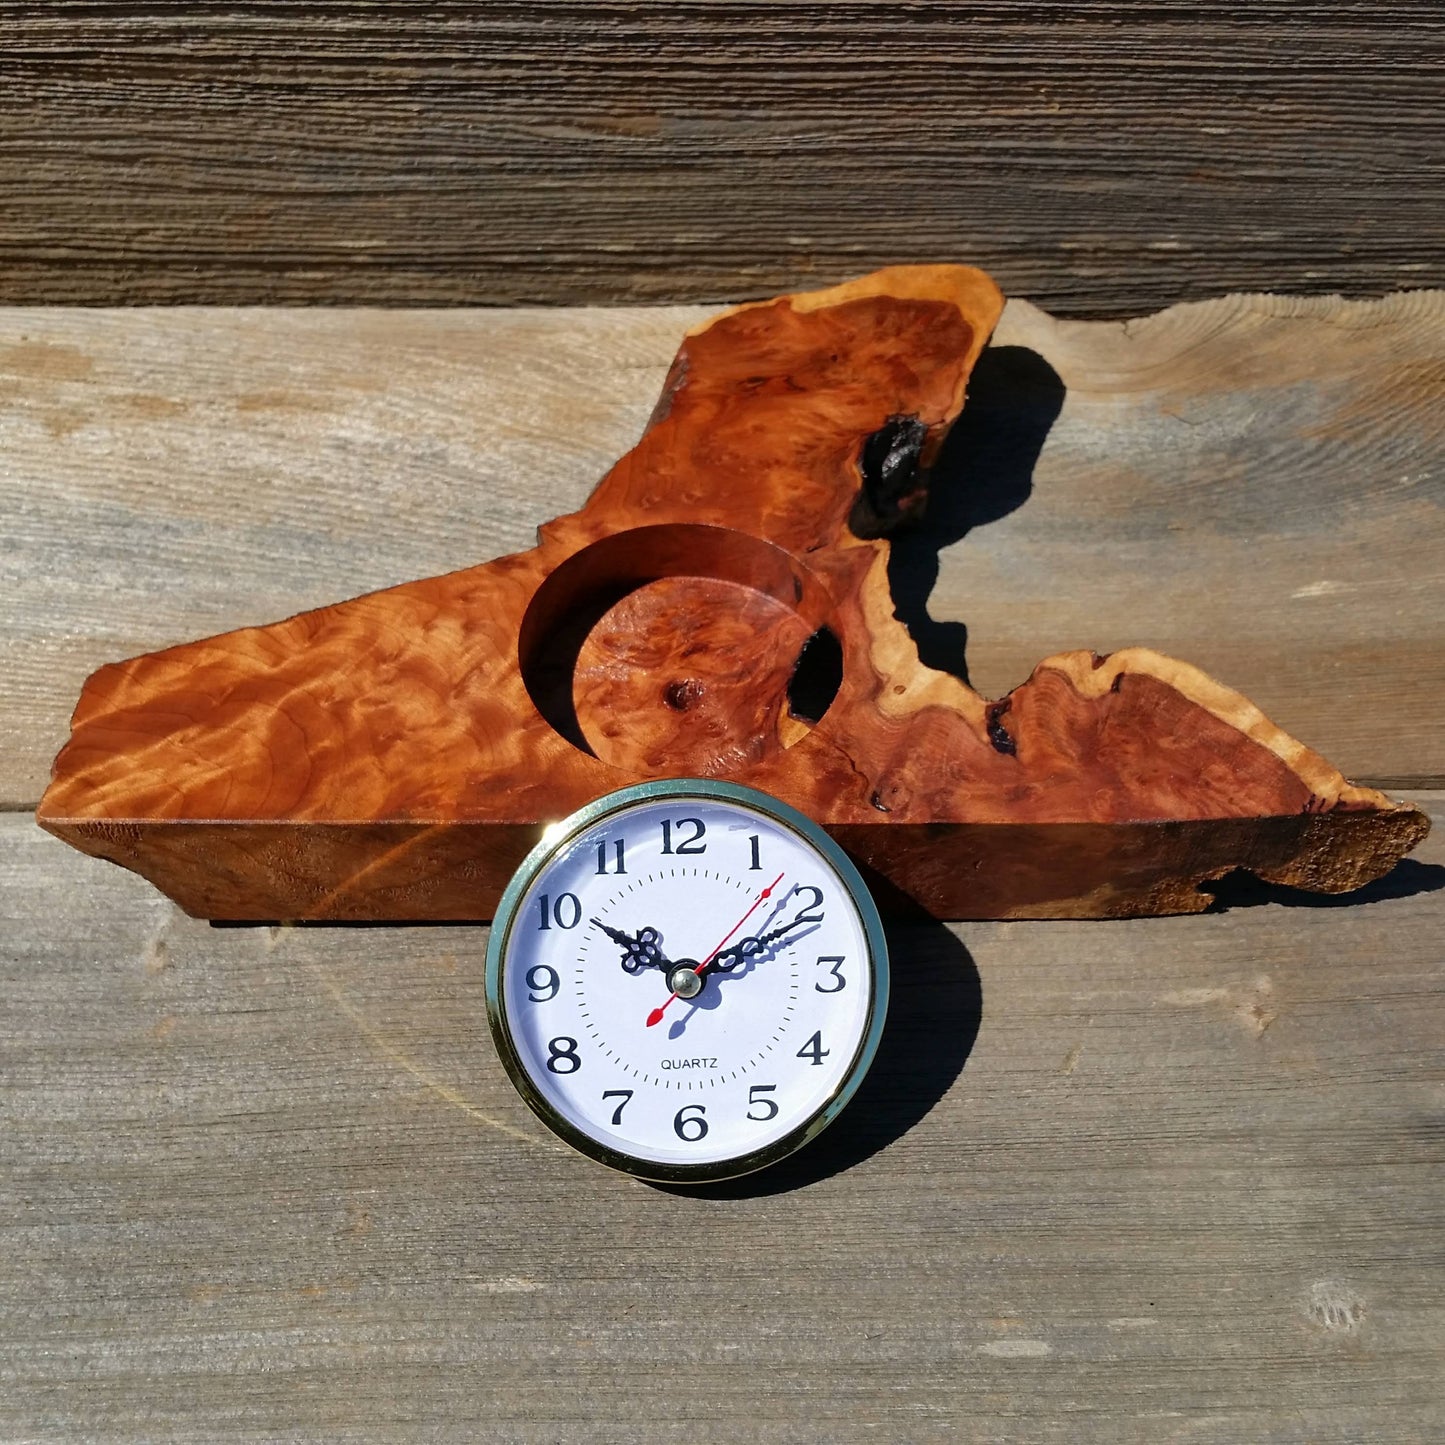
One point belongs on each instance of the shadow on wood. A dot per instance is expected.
(984, 471)
(1241, 889)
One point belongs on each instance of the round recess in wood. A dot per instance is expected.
(680, 647)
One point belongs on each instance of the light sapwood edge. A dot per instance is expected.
(974, 292)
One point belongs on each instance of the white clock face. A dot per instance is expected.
(688, 983)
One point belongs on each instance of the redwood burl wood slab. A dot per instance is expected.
(720, 607)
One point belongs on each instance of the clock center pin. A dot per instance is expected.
(684, 980)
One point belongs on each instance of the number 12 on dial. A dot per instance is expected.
(687, 980)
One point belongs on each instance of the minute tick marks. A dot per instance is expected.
(721, 962)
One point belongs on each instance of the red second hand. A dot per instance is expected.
(655, 1017)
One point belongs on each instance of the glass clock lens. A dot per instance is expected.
(686, 980)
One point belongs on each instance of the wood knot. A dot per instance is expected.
(681, 695)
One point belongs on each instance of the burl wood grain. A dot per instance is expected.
(394, 756)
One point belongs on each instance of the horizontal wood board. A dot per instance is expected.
(1164, 1180)
(1252, 484)
(1100, 158)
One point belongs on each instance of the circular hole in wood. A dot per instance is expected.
(689, 648)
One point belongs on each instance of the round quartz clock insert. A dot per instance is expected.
(687, 980)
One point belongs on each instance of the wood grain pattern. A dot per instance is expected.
(1099, 159)
(1255, 484)
(390, 757)
(1111, 1182)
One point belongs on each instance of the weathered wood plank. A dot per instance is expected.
(1183, 1184)
(1099, 159)
(1252, 484)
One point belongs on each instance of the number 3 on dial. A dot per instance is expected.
(687, 980)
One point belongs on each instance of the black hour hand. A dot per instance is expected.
(638, 951)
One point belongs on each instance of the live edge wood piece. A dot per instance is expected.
(720, 607)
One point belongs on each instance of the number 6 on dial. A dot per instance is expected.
(687, 980)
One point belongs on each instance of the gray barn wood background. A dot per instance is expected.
(1161, 1180)
(1099, 158)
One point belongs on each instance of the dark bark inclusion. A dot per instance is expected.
(894, 487)
(998, 734)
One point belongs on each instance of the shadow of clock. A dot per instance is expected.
(933, 1020)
